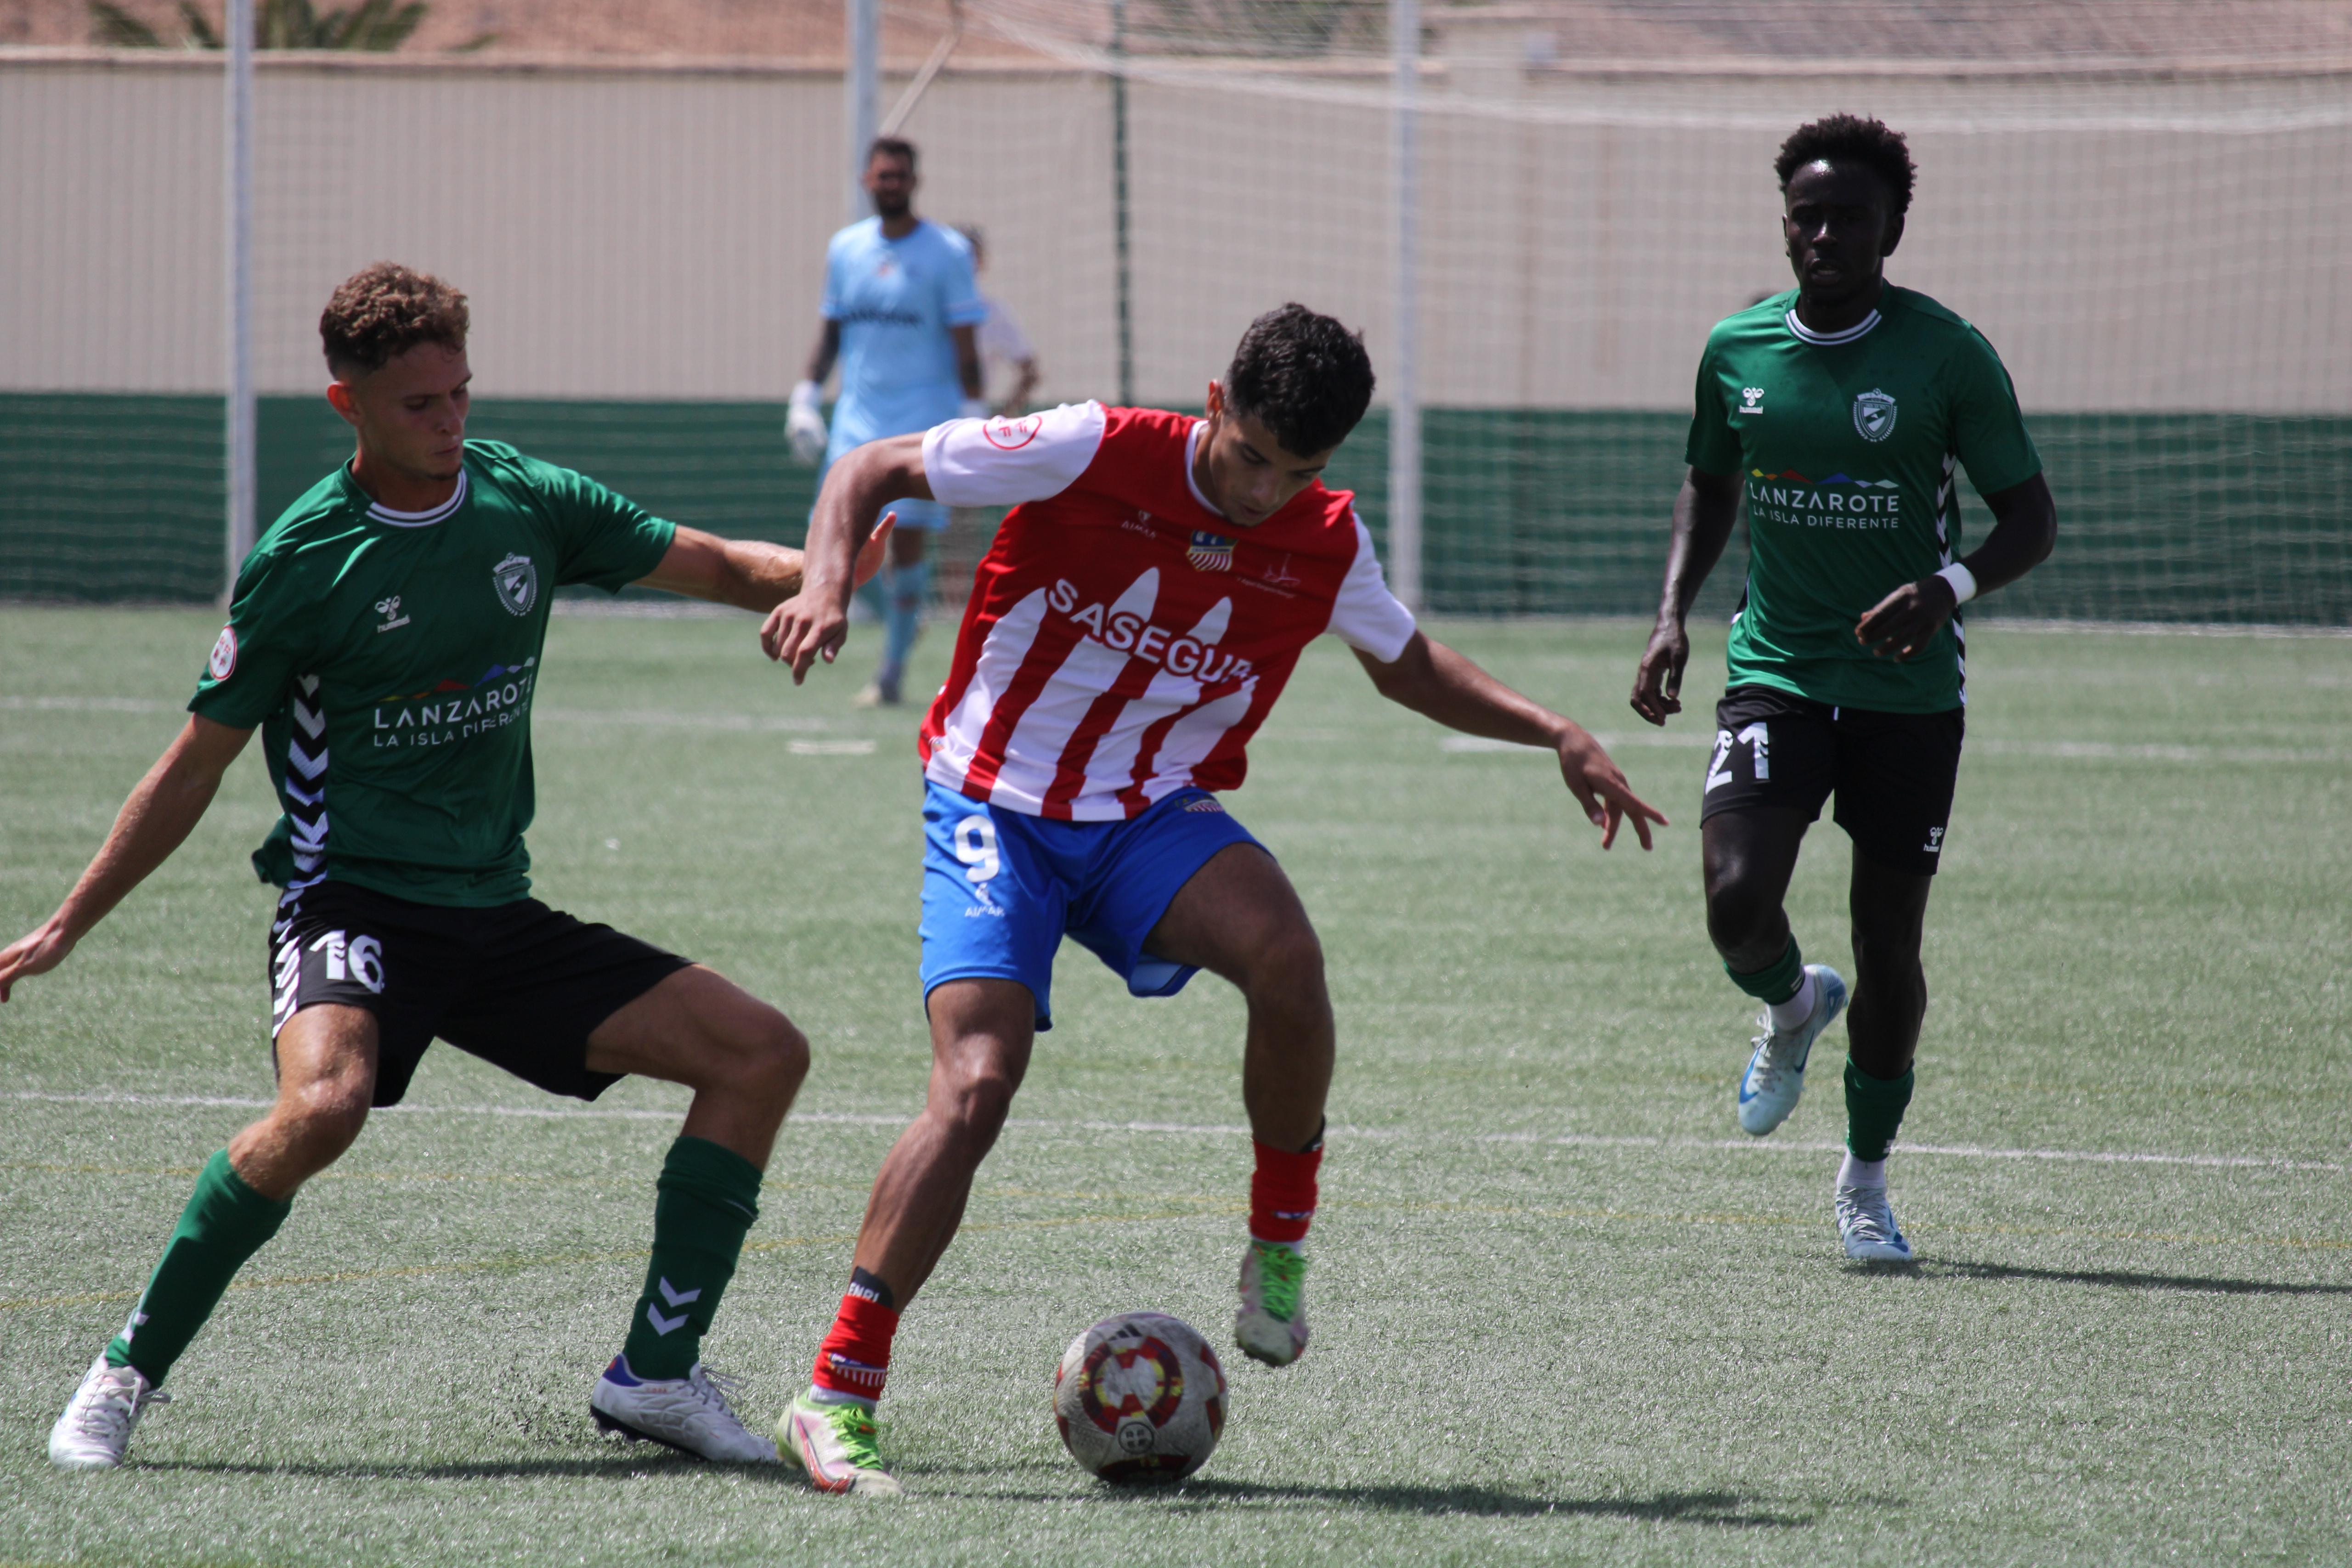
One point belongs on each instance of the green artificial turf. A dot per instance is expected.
(1562, 1310)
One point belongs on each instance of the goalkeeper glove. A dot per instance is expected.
(804, 425)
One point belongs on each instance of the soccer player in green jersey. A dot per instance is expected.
(1838, 410)
(385, 636)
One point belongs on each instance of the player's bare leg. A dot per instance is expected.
(1239, 917)
(743, 1058)
(982, 1030)
(326, 1076)
(1890, 989)
(745, 1061)
(906, 594)
(1889, 909)
(1749, 856)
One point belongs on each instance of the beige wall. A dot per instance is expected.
(641, 234)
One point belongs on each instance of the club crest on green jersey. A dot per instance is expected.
(1874, 415)
(516, 581)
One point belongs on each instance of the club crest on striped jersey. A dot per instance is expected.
(222, 662)
(516, 581)
(1209, 552)
(1874, 415)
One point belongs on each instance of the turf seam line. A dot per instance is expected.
(843, 1118)
(561, 1260)
(2050, 750)
(1954, 1151)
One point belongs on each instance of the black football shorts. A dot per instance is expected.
(1892, 773)
(519, 985)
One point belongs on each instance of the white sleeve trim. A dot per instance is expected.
(1005, 461)
(1366, 615)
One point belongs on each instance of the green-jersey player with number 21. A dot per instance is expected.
(1840, 413)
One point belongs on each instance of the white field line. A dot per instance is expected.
(1186, 1129)
(625, 719)
(1683, 741)
(2057, 751)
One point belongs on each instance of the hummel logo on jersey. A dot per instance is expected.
(1209, 552)
(1935, 844)
(516, 581)
(1874, 415)
(1751, 400)
(390, 610)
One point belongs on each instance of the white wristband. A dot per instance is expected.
(807, 394)
(1963, 582)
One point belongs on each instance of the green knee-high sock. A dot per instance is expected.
(225, 1223)
(1874, 1111)
(1776, 984)
(706, 1200)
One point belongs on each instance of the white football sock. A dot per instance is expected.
(820, 1395)
(1797, 1008)
(1862, 1173)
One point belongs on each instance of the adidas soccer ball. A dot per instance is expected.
(1139, 1398)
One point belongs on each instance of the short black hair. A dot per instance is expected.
(892, 147)
(1849, 139)
(1306, 375)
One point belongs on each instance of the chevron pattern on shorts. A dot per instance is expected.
(306, 783)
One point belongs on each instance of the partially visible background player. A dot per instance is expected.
(1135, 620)
(901, 313)
(1002, 341)
(1840, 408)
(385, 635)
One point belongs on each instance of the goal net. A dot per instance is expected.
(2145, 205)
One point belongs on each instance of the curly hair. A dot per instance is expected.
(1849, 139)
(383, 311)
(1306, 375)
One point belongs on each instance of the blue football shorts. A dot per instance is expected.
(1001, 888)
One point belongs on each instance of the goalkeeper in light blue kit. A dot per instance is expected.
(901, 313)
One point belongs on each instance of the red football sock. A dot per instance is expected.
(856, 1357)
(1282, 1193)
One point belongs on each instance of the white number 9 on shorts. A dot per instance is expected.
(975, 845)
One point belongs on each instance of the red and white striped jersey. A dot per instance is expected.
(1124, 638)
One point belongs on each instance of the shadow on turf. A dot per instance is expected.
(2121, 1279)
(490, 1469)
(1716, 1508)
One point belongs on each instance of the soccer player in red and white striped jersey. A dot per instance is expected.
(1138, 613)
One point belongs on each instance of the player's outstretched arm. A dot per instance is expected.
(813, 623)
(1434, 680)
(749, 574)
(163, 809)
(1704, 514)
(2024, 532)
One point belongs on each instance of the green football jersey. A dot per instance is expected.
(390, 659)
(1846, 444)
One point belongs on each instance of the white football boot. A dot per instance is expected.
(96, 1425)
(1271, 1325)
(689, 1414)
(1775, 1078)
(1866, 1223)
